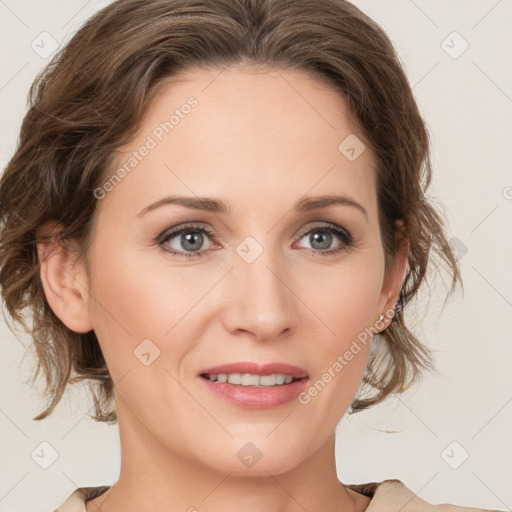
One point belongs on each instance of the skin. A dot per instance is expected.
(259, 141)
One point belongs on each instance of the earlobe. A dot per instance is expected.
(64, 283)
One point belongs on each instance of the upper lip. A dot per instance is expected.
(257, 369)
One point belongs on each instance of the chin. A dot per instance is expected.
(247, 458)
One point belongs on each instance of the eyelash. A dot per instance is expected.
(343, 235)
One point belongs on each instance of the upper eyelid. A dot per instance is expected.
(324, 225)
(172, 232)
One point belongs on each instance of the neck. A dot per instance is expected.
(153, 477)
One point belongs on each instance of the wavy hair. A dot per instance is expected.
(91, 97)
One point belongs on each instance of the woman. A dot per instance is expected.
(214, 208)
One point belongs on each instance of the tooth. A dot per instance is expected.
(267, 380)
(235, 378)
(250, 380)
(280, 378)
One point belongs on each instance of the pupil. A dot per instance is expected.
(190, 238)
(321, 238)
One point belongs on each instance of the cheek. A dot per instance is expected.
(347, 301)
(133, 301)
(347, 307)
(343, 350)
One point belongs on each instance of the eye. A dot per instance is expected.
(189, 240)
(321, 238)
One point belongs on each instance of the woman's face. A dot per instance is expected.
(260, 280)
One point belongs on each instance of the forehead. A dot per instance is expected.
(247, 134)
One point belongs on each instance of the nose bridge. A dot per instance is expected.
(263, 303)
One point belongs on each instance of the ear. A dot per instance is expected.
(64, 280)
(394, 280)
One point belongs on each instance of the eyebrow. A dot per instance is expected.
(216, 206)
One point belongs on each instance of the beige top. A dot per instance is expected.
(386, 496)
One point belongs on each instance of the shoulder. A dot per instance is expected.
(394, 496)
(77, 500)
(386, 496)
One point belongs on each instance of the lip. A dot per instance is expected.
(257, 369)
(256, 397)
(248, 397)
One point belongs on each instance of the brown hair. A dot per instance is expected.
(90, 99)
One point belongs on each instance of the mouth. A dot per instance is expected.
(249, 373)
(252, 380)
(255, 386)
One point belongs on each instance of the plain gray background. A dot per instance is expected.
(421, 437)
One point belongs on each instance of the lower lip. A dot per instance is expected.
(257, 397)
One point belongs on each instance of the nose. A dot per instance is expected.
(262, 299)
